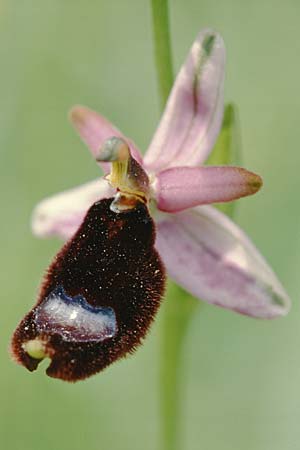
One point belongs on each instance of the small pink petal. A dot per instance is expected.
(193, 114)
(180, 188)
(206, 253)
(61, 214)
(94, 129)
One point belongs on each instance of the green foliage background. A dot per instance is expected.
(242, 375)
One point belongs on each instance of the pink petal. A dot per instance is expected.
(180, 188)
(193, 115)
(206, 253)
(61, 214)
(94, 129)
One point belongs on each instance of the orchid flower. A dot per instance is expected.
(202, 249)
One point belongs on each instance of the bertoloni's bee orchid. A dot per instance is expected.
(104, 287)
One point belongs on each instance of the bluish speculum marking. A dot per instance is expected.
(74, 319)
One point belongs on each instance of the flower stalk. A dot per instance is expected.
(162, 48)
(177, 310)
(177, 313)
(179, 306)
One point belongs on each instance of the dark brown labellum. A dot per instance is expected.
(98, 297)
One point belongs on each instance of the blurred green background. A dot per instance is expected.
(242, 376)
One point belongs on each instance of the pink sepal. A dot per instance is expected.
(61, 214)
(94, 129)
(193, 114)
(180, 188)
(207, 254)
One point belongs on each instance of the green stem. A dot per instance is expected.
(177, 311)
(162, 48)
(179, 306)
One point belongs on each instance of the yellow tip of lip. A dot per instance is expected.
(35, 348)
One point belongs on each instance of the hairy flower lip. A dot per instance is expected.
(184, 139)
(98, 297)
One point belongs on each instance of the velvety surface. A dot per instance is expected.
(109, 263)
(242, 375)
